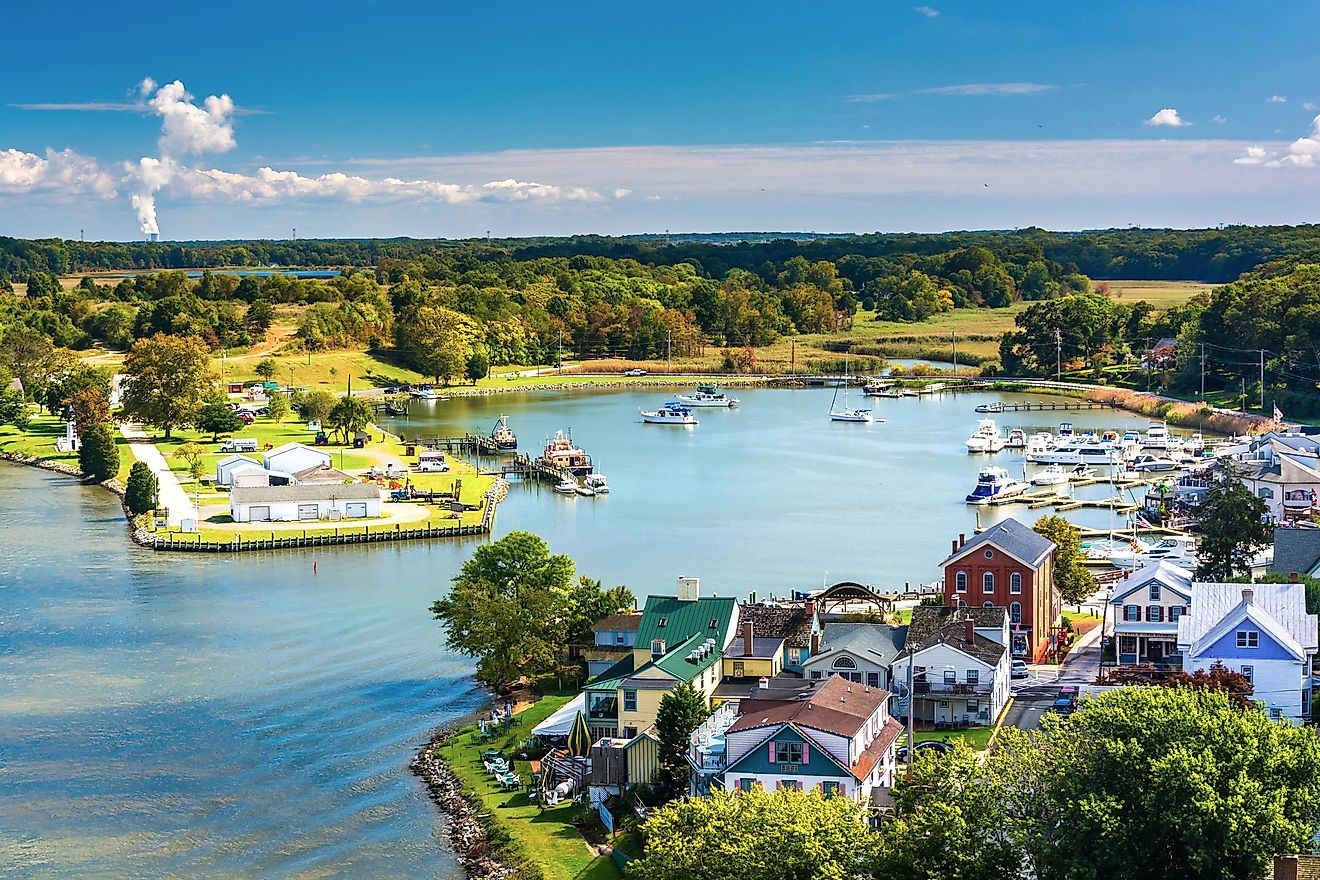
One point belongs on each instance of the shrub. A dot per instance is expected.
(98, 456)
(140, 492)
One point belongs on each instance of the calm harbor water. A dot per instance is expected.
(170, 715)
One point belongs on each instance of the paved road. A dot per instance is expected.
(1032, 696)
(171, 495)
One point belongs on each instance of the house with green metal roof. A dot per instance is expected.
(680, 639)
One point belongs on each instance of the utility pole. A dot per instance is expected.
(1262, 381)
(955, 354)
(1203, 371)
(669, 349)
(1058, 355)
(912, 711)
(792, 357)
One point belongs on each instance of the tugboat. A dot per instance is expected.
(560, 452)
(505, 440)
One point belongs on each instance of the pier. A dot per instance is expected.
(1051, 406)
(535, 469)
(471, 444)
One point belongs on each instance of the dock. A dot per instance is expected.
(1051, 406)
(470, 444)
(535, 469)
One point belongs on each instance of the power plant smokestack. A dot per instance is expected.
(153, 236)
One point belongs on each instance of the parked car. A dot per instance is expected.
(1063, 706)
(931, 745)
(634, 372)
(1018, 669)
(246, 417)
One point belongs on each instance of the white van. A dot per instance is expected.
(239, 444)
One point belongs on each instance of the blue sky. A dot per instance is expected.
(389, 118)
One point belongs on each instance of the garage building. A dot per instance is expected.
(304, 503)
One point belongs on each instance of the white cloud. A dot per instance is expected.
(1007, 88)
(1310, 105)
(1168, 116)
(1254, 155)
(62, 172)
(927, 11)
(622, 193)
(1301, 153)
(1219, 119)
(1278, 99)
(188, 128)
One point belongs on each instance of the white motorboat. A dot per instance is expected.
(585, 491)
(426, 392)
(995, 482)
(1017, 439)
(995, 407)
(668, 415)
(1051, 475)
(846, 413)
(1146, 462)
(1194, 445)
(1080, 471)
(1157, 437)
(986, 437)
(567, 487)
(1065, 430)
(596, 482)
(1077, 452)
(876, 387)
(707, 395)
(1178, 549)
(1041, 441)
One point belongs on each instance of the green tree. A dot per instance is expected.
(1073, 580)
(349, 415)
(98, 456)
(478, 365)
(951, 820)
(1171, 783)
(755, 835)
(279, 407)
(140, 491)
(30, 356)
(681, 711)
(266, 368)
(435, 341)
(1233, 526)
(89, 407)
(316, 405)
(588, 602)
(260, 315)
(506, 608)
(216, 418)
(195, 455)
(166, 379)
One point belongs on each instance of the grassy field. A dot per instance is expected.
(977, 738)
(1160, 294)
(544, 837)
(38, 441)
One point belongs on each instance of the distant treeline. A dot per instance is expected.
(1209, 255)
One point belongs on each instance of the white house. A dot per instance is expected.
(1284, 470)
(304, 503)
(840, 740)
(293, 457)
(1146, 606)
(860, 652)
(225, 467)
(1259, 630)
(960, 665)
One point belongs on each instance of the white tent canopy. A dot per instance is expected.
(559, 723)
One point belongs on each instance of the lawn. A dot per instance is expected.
(977, 738)
(545, 837)
(38, 441)
(1160, 294)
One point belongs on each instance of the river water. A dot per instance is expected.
(171, 715)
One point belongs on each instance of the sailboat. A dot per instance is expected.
(845, 413)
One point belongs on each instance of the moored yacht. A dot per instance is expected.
(1178, 549)
(669, 414)
(1148, 462)
(1065, 430)
(1041, 441)
(1051, 475)
(1157, 437)
(426, 392)
(1017, 439)
(846, 413)
(1077, 452)
(596, 482)
(567, 487)
(995, 482)
(707, 394)
(986, 437)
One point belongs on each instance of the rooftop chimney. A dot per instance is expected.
(1248, 594)
(962, 539)
(954, 542)
(689, 589)
(1293, 577)
(969, 630)
(747, 632)
(815, 644)
(810, 607)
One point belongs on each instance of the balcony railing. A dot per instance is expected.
(956, 687)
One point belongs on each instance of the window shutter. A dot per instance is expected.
(798, 784)
(772, 751)
(806, 755)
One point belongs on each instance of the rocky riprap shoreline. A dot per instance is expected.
(467, 835)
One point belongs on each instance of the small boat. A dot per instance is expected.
(1065, 430)
(891, 393)
(1157, 436)
(1177, 549)
(397, 410)
(561, 453)
(995, 482)
(1109, 437)
(934, 388)
(426, 392)
(586, 491)
(1081, 470)
(708, 394)
(1051, 475)
(1147, 462)
(596, 482)
(1041, 441)
(1194, 445)
(879, 388)
(986, 437)
(668, 415)
(846, 413)
(503, 437)
(1017, 439)
(995, 407)
(567, 487)
(1131, 435)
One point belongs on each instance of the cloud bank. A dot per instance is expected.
(1301, 153)
(1009, 88)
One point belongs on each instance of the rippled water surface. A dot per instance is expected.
(168, 715)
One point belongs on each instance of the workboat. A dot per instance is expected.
(1017, 439)
(995, 482)
(995, 407)
(1146, 462)
(708, 395)
(1157, 437)
(504, 439)
(846, 413)
(986, 437)
(426, 392)
(561, 453)
(596, 483)
(668, 415)
(567, 487)
(1051, 475)
(1076, 452)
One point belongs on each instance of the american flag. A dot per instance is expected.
(1278, 413)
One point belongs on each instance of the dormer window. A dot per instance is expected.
(660, 624)
(657, 647)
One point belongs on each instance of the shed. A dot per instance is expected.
(304, 503)
(293, 457)
(225, 467)
(644, 758)
(256, 475)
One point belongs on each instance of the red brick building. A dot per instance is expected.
(1008, 566)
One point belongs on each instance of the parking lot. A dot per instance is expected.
(1033, 696)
